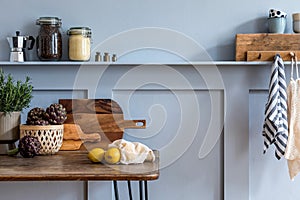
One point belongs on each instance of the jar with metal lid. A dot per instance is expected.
(79, 43)
(49, 40)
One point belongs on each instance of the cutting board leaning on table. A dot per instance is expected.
(94, 123)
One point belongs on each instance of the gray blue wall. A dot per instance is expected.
(211, 23)
(206, 120)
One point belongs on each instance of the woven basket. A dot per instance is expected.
(50, 136)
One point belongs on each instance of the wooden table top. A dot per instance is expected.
(72, 166)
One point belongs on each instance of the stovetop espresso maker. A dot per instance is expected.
(17, 46)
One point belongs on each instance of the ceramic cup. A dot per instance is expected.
(276, 24)
(296, 26)
(296, 22)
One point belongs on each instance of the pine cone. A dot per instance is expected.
(36, 117)
(56, 114)
(29, 146)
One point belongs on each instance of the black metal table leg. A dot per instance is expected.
(129, 190)
(141, 189)
(86, 190)
(146, 190)
(116, 190)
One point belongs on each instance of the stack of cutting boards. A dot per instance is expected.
(264, 46)
(74, 137)
(94, 123)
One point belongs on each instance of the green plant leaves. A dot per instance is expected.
(14, 96)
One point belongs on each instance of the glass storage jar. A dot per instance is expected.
(79, 43)
(49, 39)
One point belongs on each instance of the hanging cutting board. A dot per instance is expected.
(264, 42)
(101, 116)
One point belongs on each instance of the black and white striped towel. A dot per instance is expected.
(275, 128)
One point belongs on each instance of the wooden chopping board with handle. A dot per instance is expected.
(95, 116)
(74, 137)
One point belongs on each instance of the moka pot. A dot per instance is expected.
(17, 46)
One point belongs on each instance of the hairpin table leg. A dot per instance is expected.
(129, 190)
(141, 189)
(146, 190)
(116, 190)
(86, 190)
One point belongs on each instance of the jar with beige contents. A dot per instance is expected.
(79, 43)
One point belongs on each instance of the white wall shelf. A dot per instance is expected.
(204, 63)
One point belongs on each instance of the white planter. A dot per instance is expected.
(9, 127)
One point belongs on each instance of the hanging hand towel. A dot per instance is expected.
(275, 128)
(292, 153)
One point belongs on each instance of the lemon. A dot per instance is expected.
(112, 155)
(96, 155)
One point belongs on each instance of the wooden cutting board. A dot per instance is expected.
(74, 137)
(265, 42)
(101, 116)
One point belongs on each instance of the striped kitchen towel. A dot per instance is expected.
(275, 128)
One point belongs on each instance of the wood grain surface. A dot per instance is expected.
(97, 106)
(265, 42)
(74, 137)
(101, 116)
(91, 123)
(72, 165)
(74, 132)
(269, 55)
(71, 145)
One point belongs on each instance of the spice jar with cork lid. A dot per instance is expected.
(49, 39)
(79, 43)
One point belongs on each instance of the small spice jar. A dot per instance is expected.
(49, 39)
(79, 43)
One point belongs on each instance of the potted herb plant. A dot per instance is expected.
(14, 97)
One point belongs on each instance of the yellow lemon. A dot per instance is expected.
(112, 155)
(96, 155)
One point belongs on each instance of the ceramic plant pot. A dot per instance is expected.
(9, 130)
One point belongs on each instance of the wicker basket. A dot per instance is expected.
(50, 136)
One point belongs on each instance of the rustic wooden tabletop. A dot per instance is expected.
(73, 166)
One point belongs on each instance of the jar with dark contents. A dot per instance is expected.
(49, 39)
